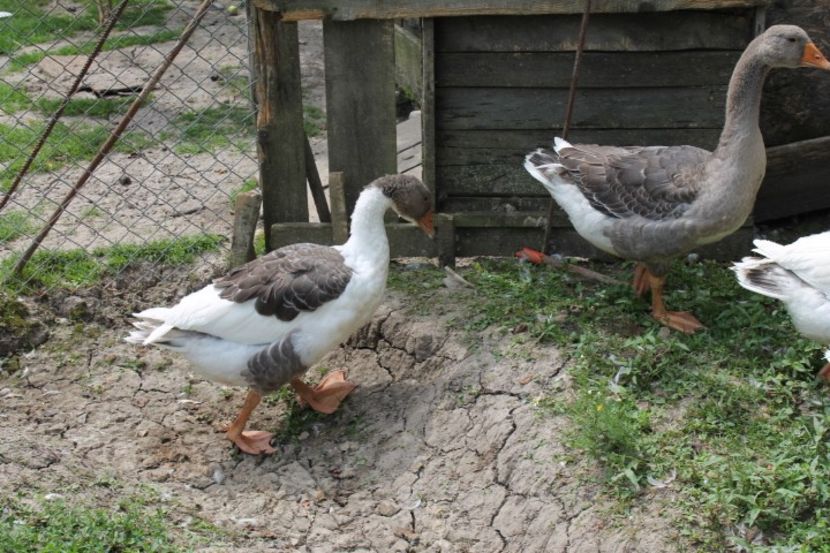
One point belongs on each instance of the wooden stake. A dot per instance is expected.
(245, 217)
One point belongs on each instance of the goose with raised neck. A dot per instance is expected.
(651, 204)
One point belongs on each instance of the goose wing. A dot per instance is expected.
(657, 182)
(260, 301)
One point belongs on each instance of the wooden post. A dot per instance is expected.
(445, 236)
(245, 217)
(339, 216)
(360, 102)
(428, 111)
(279, 125)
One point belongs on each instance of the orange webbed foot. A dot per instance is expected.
(327, 395)
(679, 320)
(254, 442)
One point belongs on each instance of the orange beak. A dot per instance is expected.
(425, 223)
(813, 57)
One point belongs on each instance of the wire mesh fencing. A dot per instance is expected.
(165, 193)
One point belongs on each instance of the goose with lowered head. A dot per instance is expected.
(265, 323)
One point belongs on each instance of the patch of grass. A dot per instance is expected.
(65, 145)
(30, 24)
(734, 410)
(14, 224)
(13, 99)
(89, 107)
(21, 61)
(74, 269)
(235, 81)
(59, 526)
(212, 129)
(144, 12)
(314, 120)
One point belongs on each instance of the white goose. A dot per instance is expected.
(654, 203)
(265, 323)
(799, 275)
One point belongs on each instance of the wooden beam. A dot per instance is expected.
(360, 102)
(619, 32)
(349, 10)
(315, 184)
(280, 138)
(598, 69)
(796, 180)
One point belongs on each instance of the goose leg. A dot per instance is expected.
(640, 283)
(678, 320)
(824, 373)
(327, 395)
(254, 442)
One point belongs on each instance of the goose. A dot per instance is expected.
(653, 203)
(265, 323)
(799, 275)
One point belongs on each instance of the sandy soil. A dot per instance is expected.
(441, 448)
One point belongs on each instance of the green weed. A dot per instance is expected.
(21, 61)
(733, 411)
(73, 269)
(247, 186)
(65, 145)
(60, 526)
(14, 224)
(314, 120)
(212, 129)
(30, 24)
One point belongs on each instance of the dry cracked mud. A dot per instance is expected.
(441, 448)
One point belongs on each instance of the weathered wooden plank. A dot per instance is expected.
(339, 215)
(409, 69)
(487, 180)
(473, 147)
(360, 102)
(495, 204)
(611, 32)
(428, 144)
(280, 138)
(347, 10)
(597, 70)
(796, 181)
(543, 108)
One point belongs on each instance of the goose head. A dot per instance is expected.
(411, 199)
(789, 46)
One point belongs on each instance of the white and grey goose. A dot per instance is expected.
(265, 323)
(654, 203)
(798, 274)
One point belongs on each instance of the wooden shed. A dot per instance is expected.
(495, 81)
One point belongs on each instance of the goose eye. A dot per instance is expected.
(791, 39)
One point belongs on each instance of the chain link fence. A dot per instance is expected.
(165, 193)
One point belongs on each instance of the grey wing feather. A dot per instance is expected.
(287, 281)
(653, 182)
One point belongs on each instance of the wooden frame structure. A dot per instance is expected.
(359, 50)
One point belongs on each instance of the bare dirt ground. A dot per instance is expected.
(441, 448)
